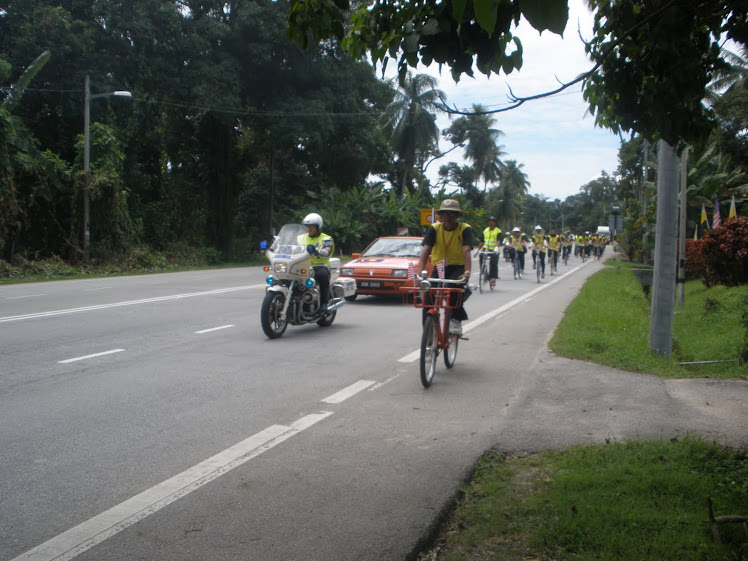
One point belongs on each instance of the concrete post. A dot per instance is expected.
(665, 256)
(682, 228)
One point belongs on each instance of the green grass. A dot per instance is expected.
(624, 501)
(638, 500)
(608, 323)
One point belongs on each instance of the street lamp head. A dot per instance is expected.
(122, 93)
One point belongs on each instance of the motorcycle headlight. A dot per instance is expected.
(400, 273)
(281, 267)
(346, 271)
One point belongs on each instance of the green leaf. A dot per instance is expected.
(17, 91)
(458, 9)
(546, 14)
(485, 14)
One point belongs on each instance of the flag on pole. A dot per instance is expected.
(733, 210)
(440, 269)
(411, 271)
(696, 233)
(716, 218)
(704, 222)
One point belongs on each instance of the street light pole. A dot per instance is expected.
(87, 155)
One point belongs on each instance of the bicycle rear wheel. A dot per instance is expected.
(429, 352)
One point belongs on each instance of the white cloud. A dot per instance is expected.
(554, 138)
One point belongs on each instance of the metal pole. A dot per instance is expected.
(663, 287)
(682, 229)
(86, 163)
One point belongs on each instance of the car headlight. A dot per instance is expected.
(400, 273)
(346, 271)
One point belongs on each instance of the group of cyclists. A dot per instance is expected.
(544, 247)
(450, 242)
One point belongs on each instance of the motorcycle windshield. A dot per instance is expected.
(287, 241)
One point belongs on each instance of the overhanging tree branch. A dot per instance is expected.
(517, 101)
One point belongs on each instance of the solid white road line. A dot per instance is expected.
(415, 355)
(90, 356)
(212, 329)
(99, 528)
(24, 296)
(350, 391)
(128, 303)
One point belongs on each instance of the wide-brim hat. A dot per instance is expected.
(450, 205)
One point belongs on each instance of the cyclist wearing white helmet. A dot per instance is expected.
(519, 245)
(539, 242)
(323, 248)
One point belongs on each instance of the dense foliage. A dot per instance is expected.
(232, 130)
(228, 128)
(725, 254)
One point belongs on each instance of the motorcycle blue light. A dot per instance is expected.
(269, 280)
(310, 283)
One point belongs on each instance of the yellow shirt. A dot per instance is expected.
(491, 238)
(538, 241)
(448, 245)
(318, 242)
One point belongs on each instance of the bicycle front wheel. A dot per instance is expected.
(429, 352)
(450, 354)
(481, 277)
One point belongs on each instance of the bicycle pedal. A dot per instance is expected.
(463, 338)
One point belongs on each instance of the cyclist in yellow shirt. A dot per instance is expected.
(450, 243)
(491, 241)
(554, 244)
(539, 247)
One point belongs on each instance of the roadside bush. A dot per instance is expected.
(695, 264)
(725, 253)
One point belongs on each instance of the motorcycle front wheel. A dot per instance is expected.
(271, 319)
(327, 320)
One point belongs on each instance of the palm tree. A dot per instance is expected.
(412, 123)
(513, 189)
(734, 76)
(475, 132)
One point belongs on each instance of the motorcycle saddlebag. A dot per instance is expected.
(343, 287)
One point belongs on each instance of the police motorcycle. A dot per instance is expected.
(292, 295)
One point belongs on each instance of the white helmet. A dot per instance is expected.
(313, 219)
(516, 229)
(538, 227)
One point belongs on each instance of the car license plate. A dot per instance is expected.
(370, 284)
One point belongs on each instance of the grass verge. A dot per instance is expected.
(638, 500)
(608, 323)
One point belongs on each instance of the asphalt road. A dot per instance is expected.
(149, 417)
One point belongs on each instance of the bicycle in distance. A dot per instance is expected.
(437, 297)
(484, 270)
(516, 264)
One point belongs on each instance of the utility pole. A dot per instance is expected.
(663, 287)
(682, 229)
(644, 197)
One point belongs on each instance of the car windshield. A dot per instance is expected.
(287, 240)
(394, 247)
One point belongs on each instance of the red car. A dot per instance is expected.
(383, 266)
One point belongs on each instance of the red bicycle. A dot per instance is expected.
(435, 295)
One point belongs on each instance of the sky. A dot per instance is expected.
(555, 138)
